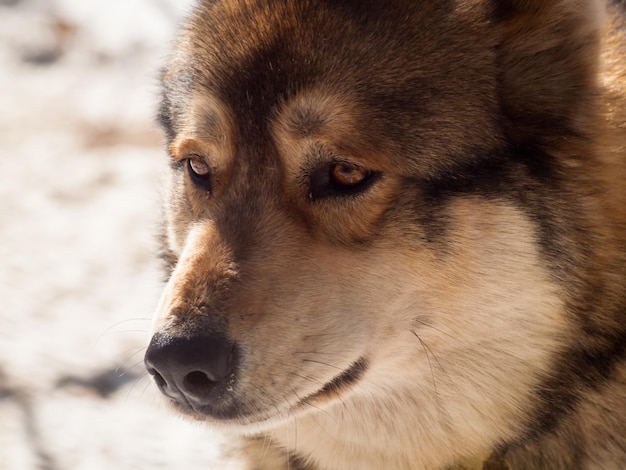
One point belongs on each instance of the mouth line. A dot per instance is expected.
(340, 383)
(332, 389)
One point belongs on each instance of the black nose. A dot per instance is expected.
(194, 371)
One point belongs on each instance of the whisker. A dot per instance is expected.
(107, 332)
(295, 435)
(322, 363)
(316, 407)
(267, 443)
(432, 354)
(429, 352)
(310, 379)
(126, 321)
(121, 331)
(427, 325)
(316, 353)
(136, 364)
(426, 351)
(139, 379)
(326, 413)
(144, 389)
(136, 350)
(313, 416)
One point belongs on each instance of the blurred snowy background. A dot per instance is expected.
(80, 167)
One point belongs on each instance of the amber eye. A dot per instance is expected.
(344, 174)
(340, 179)
(199, 172)
(199, 167)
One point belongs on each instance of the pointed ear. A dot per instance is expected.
(548, 66)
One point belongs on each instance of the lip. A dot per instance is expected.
(340, 384)
(336, 388)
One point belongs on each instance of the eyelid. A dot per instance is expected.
(178, 162)
(181, 150)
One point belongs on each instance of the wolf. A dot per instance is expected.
(395, 232)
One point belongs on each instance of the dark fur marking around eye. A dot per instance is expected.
(503, 172)
(509, 173)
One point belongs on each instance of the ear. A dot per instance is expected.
(548, 65)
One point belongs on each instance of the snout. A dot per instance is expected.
(196, 372)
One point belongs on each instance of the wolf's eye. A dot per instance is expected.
(198, 167)
(343, 174)
(340, 179)
(199, 172)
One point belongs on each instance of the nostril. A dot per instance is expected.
(192, 370)
(198, 383)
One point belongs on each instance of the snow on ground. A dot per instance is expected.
(80, 170)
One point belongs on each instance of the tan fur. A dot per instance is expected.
(474, 288)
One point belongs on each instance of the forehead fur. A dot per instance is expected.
(414, 102)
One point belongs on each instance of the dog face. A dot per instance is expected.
(369, 202)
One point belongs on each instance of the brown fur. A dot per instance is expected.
(469, 298)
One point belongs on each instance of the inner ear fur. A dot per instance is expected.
(548, 66)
